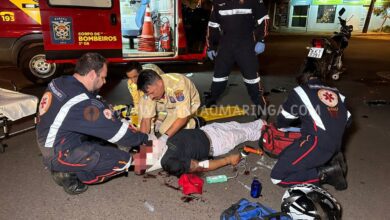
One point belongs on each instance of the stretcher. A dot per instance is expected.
(14, 106)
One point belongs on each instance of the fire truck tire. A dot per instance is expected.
(34, 66)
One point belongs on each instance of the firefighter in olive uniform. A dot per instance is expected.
(132, 70)
(171, 93)
(75, 128)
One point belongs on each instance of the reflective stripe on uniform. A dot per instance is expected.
(288, 115)
(213, 24)
(342, 97)
(222, 79)
(262, 19)
(125, 167)
(348, 115)
(306, 101)
(122, 131)
(238, 11)
(252, 81)
(61, 116)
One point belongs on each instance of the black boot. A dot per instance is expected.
(208, 101)
(261, 113)
(339, 157)
(58, 177)
(210, 104)
(69, 181)
(333, 175)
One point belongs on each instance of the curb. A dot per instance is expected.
(370, 35)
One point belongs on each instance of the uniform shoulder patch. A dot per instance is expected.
(179, 95)
(91, 113)
(107, 113)
(172, 99)
(45, 103)
(328, 97)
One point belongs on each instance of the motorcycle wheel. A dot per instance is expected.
(339, 62)
(320, 65)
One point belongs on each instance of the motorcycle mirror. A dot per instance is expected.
(341, 12)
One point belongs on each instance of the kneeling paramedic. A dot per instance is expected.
(190, 149)
(324, 117)
(74, 128)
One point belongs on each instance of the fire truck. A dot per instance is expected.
(41, 36)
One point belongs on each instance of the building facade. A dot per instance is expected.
(322, 15)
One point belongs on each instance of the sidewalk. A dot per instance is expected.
(368, 35)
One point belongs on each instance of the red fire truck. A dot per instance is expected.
(40, 38)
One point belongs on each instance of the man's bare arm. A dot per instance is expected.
(178, 124)
(197, 166)
(145, 125)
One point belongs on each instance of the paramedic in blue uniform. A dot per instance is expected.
(324, 117)
(236, 33)
(75, 128)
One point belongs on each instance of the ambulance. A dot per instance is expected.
(41, 36)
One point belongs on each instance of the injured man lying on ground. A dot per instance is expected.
(190, 149)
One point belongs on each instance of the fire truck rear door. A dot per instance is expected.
(74, 27)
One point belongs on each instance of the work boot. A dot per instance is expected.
(69, 181)
(333, 175)
(261, 113)
(339, 157)
(208, 101)
(58, 177)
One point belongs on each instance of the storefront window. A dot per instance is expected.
(326, 13)
(299, 16)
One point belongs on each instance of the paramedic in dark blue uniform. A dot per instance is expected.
(236, 34)
(74, 129)
(324, 117)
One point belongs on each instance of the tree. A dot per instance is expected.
(383, 11)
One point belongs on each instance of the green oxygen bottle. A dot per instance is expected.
(217, 179)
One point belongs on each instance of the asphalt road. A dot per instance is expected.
(27, 191)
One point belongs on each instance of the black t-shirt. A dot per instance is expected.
(187, 144)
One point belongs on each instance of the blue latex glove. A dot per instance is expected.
(259, 48)
(211, 54)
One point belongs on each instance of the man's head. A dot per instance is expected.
(91, 71)
(132, 70)
(148, 157)
(151, 84)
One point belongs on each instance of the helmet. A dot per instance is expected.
(307, 201)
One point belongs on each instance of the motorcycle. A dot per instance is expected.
(326, 53)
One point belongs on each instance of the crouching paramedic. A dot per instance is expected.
(190, 149)
(323, 116)
(74, 129)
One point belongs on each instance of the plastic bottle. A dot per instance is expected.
(216, 179)
(256, 188)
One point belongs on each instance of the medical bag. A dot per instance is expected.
(274, 141)
(245, 209)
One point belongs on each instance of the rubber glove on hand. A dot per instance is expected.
(211, 54)
(163, 138)
(152, 137)
(259, 48)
